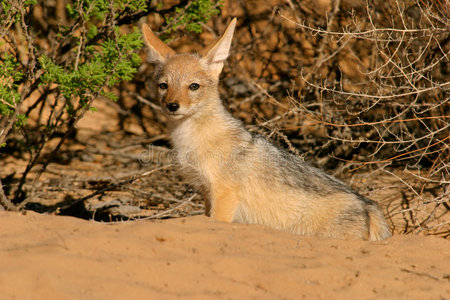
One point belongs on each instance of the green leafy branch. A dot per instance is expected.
(192, 17)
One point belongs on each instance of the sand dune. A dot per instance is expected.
(52, 257)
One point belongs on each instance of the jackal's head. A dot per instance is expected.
(187, 81)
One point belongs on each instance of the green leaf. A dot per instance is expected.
(10, 75)
(29, 2)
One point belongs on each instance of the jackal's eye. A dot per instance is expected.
(163, 86)
(194, 86)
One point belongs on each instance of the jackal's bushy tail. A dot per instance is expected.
(378, 227)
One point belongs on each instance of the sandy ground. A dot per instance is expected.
(53, 257)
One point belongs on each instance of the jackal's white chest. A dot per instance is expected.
(190, 145)
(206, 147)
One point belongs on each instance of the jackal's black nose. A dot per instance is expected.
(173, 106)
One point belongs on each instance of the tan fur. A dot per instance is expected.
(244, 178)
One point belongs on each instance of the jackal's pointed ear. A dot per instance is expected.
(216, 53)
(159, 51)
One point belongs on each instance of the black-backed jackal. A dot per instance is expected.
(244, 177)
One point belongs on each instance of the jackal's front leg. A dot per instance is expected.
(224, 202)
(207, 198)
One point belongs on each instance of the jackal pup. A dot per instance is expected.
(245, 178)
